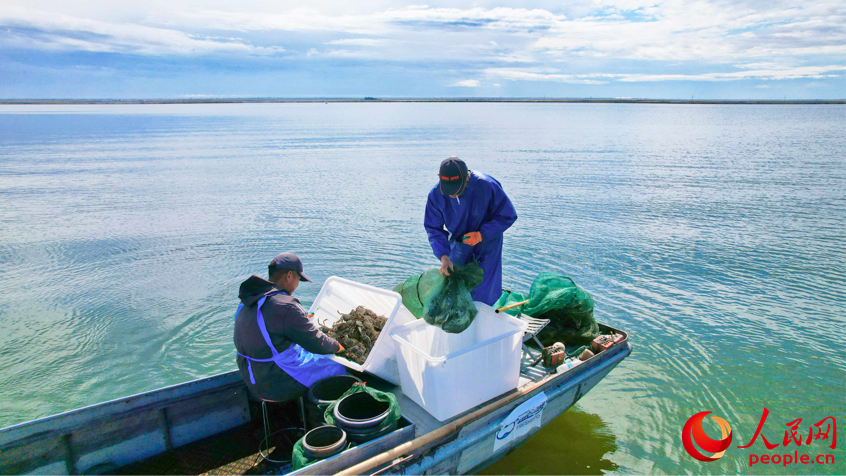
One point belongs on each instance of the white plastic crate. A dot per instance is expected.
(447, 374)
(342, 295)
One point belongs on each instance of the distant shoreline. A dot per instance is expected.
(380, 100)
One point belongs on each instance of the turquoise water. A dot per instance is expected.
(713, 234)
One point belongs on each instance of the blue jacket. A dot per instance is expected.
(482, 207)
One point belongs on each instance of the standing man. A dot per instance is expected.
(475, 211)
(278, 345)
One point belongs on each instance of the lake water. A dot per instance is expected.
(714, 234)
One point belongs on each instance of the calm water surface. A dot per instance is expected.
(714, 234)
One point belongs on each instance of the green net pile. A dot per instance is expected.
(443, 301)
(300, 458)
(568, 307)
(393, 406)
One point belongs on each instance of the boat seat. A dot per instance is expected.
(535, 326)
(265, 445)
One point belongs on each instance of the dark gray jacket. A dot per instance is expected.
(287, 323)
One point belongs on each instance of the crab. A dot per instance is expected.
(357, 331)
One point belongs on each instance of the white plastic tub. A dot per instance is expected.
(340, 295)
(447, 374)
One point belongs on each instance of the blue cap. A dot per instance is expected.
(287, 262)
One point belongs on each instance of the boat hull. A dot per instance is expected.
(472, 448)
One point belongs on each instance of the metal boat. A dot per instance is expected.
(210, 425)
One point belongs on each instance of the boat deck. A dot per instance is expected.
(236, 451)
(232, 452)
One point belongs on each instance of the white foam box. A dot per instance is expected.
(447, 374)
(340, 295)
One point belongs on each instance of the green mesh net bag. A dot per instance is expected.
(415, 291)
(443, 301)
(450, 305)
(299, 457)
(393, 406)
(568, 307)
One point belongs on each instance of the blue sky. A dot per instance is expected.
(725, 49)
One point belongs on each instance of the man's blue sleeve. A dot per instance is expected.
(503, 214)
(434, 223)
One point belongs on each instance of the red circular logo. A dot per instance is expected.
(693, 428)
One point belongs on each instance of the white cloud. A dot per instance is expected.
(341, 53)
(467, 83)
(698, 29)
(765, 65)
(806, 72)
(816, 72)
(357, 42)
(522, 75)
(771, 40)
(295, 20)
(500, 18)
(62, 32)
(702, 30)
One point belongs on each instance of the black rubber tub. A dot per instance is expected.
(324, 441)
(324, 392)
(363, 417)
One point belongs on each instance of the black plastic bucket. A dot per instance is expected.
(324, 392)
(329, 389)
(363, 417)
(363, 435)
(324, 441)
(283, 443)
(360, 410)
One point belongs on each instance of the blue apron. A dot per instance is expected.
(303, 366)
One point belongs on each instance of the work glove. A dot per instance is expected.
(473, 238)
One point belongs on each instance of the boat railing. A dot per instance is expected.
(125, 430)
